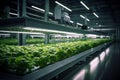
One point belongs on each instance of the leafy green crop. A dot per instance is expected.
(24, 59)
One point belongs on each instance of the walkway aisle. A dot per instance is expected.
(112, 71)
(105, 66)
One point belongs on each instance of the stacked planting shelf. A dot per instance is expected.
(44, 61)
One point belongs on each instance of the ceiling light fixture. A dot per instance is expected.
(96, 15)
(84, 5)
(63, 6)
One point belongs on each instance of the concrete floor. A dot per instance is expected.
(105, 66)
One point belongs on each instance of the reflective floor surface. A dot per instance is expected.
(105, 66)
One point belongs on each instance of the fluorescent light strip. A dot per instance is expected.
(19, 32)
(71, 22)
(102, 29)
(87, 19)
(13, 13)
(96, 15)
(84, 17)
(5, 34)
(80, 24)
(63, 6)
(41, 9)
(48, 30)
(50, 13)
(67, 16)
(38, 8)
(84, 5)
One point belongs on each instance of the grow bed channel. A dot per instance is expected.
(53, 70)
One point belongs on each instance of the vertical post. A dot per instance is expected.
(46, 10)
(21, 39)
(86, 20)
(46, 38)
(22, 8)
(116, 35)
(7, 10)
(18, 8)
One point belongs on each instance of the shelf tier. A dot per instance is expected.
(53, 70)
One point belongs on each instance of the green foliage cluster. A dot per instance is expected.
(24, 59)
(12, 41)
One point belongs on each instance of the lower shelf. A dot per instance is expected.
(53, 70)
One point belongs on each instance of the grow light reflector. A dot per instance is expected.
(84, 5)
(63, 6)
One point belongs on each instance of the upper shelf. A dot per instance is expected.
(25, 23)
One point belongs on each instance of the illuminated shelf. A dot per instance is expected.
(18, 24)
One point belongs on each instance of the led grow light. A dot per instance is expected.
(84, 17)
(71, 22)
(19, 32)
(38, 8)
(67, 16)
(80, 24)
(87, 19)
(48, 30)
(91, 35)
(4, 34)
(84, 5)
(50, 13)
(103, 29)
(100, 25)
(41, 9)
(13, 13)
(96, 15)
(63, 6)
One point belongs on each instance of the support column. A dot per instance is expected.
(21, 39)
(47, 38)
(46, 10)
(86, 20)
(18, 8)
(6, 11)
(22, 8)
